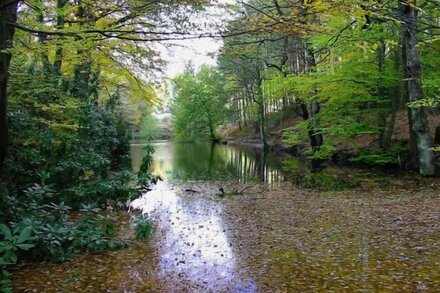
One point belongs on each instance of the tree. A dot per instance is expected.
(412, 74)
(70, 33)
(8, 16)
(338, 66)
(199, 104)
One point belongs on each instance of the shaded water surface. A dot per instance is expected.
(354, 231)
(245, 164)
(205, 161)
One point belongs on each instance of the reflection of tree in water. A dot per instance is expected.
(206, 161)
(304, 174)
(256, 165)
(220, 162)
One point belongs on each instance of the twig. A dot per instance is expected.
(191, 190)
(246, 187)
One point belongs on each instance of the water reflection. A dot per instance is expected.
(191, 239)
(214, 162)
(205, 161)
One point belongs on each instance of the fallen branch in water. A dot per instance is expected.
(265, 188)
(246, 187)
(223, 193)
(192, 190)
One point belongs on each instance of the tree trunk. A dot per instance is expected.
(39, 17)
(59, 49)
(8, 14)
(83, 70)
(382, 112)
(437, 135)
(316, 138)
(412, 143)
(81, 79)
(412, 75)
(261, 112)
(388, 132)
(396, 100)
(262, 118)
(212, 136)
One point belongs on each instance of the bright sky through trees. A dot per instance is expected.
(197, 51)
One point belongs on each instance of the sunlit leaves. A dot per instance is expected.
(199, 104)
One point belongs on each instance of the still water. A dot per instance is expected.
(193, 244)
(206, 161)
(247, 165)
(290, 230)
(280, 238)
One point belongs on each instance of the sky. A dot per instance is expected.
(198, 51)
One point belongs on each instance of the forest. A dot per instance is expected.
(345, 71)
(303, 157)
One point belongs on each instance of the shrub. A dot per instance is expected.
(143, 228)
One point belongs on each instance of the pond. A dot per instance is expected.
(247, 164)
(206, 161)
(276, 227)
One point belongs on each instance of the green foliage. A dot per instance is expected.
(276, 118)
(147, 160)
(376, 158)
(324, 152)
(428, 103)
(11, 242)
(58, 238)
(149, 127)
(67, 147)
(296, 134)
(199, 104)
(144, 177)
(143, 228)
(391, 156)
(340, 71)
(63, 159)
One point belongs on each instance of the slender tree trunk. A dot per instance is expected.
(388, 132)
(245, 107)
(382, 112)
(8, 14)
(39, 17)
(262, 118)
(59, 50)
(82, 77)
(211, 130)
(83, 70)
(261, 112)
(396, 97)
(412, 74)
(316, 137)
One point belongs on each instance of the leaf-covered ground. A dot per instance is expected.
(278, 239)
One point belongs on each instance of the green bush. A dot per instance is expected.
(11, 242)
(143, 228)
(67, 154)
(392, 156)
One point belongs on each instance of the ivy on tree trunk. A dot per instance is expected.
(8, 15)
